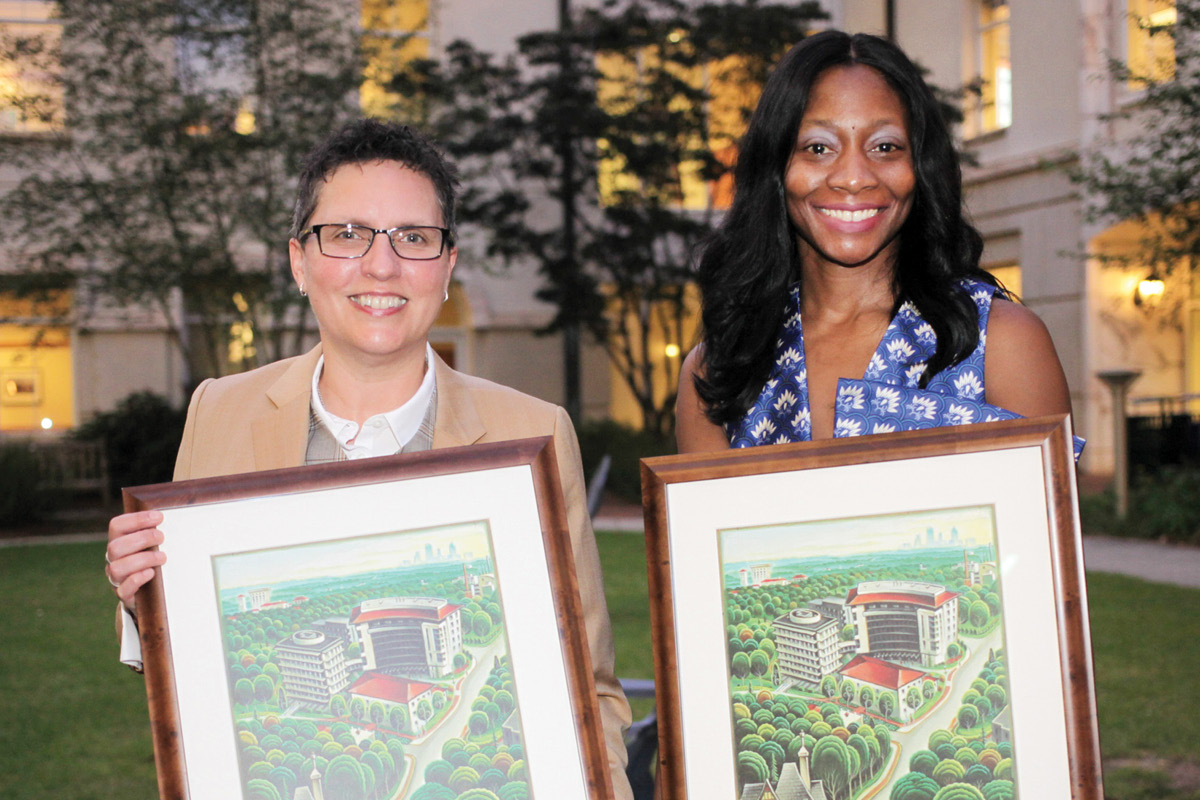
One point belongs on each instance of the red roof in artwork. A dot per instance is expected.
(776, 580)
(358, 615)
(913, 599)
(388, 687)
(869, 669)
(799, 577)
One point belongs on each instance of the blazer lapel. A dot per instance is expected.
(281, 435)
(458, 422)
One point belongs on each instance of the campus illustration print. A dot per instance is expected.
(372, 668)
(866, 659)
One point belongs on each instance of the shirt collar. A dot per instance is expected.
(382, 434)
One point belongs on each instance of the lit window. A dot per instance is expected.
(1150, 43)
(995, 67)
(395, 32)
(36, 366)
(30, 98)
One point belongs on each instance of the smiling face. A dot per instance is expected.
(380, 307)
(850, 180)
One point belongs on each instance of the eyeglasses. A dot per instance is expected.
(343, 240)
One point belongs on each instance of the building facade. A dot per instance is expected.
(409, 636)
(313, 667)
(1046, 93)
(807, 646)
(906, 621)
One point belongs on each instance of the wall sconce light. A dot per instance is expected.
(1149, 291)
(671, 350)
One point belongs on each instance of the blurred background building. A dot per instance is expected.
(1038, 94)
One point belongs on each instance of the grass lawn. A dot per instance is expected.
(76, 724)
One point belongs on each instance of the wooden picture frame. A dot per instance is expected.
(308, 576)
(785, 580)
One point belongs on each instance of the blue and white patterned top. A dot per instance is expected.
(888, 398)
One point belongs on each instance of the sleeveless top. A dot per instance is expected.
(888, 397)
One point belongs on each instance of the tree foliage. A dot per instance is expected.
(168, 180)
(618, 96)
(1153, 176)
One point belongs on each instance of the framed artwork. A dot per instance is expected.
(402, 627)
(20, 387)
(900, 616)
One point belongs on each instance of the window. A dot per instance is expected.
(1150, 45)
(37, 390)
(995, 67)
(30, 98)
(394, 33)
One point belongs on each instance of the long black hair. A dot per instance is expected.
(752, 258)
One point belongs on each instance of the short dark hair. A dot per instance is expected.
(363, 141)
(752, 258)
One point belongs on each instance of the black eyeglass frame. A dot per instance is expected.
(315, 230)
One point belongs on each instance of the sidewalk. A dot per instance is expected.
(1151, 561)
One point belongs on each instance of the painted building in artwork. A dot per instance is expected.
(905, 621)
(312, 666)
(391, 691)
(884, 677)
(795, 783)
(409, 636)
(807, 646)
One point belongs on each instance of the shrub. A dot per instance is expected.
(1162, 505)
(22, 498)
(626, 447)
(141, 437)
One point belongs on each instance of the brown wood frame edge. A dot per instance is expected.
(538, 453)
(1051, 434)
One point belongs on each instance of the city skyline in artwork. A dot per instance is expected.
(866, 654)
(373, 666)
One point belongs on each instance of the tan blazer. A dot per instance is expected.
(268, 408)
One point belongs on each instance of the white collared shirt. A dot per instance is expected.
(383, 434)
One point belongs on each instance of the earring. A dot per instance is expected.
(446, 295)
(302, 292)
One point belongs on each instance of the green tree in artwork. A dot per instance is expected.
(377, 713)
(478, 723)
(759, 663)
(752, 768)
(398, 717)
(948, 771)
(848, 691)
(434, 791)
(243, 692)
(968, 716)
(829, 686)
(958, 791)
(923, 761)
(913, 698)
(438, 771)
(261, 789)
(831, 762)
(344, 779)
(980, 615)
(482, 625)
(887, 703)
(337, 706)
(463, 778)
(866, 697)
(740, 665)
(999, 789)
(914, 786)
(358, 709)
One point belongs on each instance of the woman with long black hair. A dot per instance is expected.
(842, 294)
